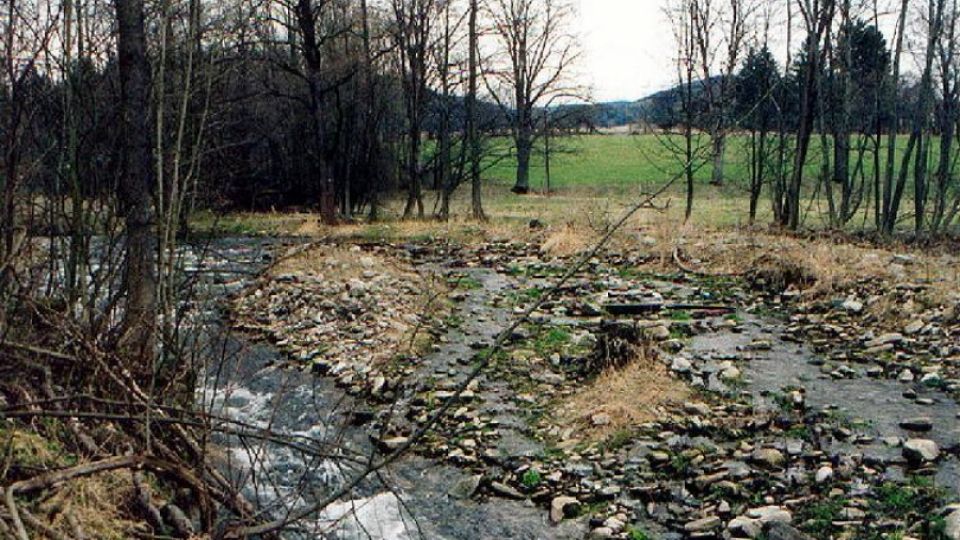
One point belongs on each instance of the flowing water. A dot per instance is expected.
(252, 383)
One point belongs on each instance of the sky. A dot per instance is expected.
(627, 48)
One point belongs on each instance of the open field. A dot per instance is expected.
(647, 160)
(594, 177)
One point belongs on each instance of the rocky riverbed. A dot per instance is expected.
(787, 416)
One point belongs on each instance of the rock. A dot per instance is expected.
(885, 339)
(794, 447)
(681, 365)
(920, 451)
(505, 491)
(782, 531)
(602, 533)
(768, 457)
(913, 328)
(659, 332)
(702, 525)
(614, 524)
(376, 387)
(852, 305)
(769, 514)
(824, 474)
(610, 492)
(700, 409)
(391, 444)
(906, 376)
(563, 507)
(465, 488)
(744, 526)
(852, 514)
(730, 374)
(917, 424)
(600, 419)
(951, 523)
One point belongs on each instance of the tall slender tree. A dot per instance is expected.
(472, 134)
(139, 328)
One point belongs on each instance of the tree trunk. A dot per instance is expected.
(818, 20)
(473, 141)
(719, 141)
(306, 20)
(140, 280)
(887, 220)
(524, 149)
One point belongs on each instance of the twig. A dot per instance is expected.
(55, 478)
(40, 351)
(47, 530)
(19, 529)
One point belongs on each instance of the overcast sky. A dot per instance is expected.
(629, 51)
(627, 48)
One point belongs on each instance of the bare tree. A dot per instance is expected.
(719, 32)
(472, 142)
(135, 189)
(413, 20)
(817, 18)
(917, 147)
(947, 118)
(536, 53)
(307, 20)
(682, 16)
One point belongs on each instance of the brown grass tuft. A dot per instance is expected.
(567, 241)
(337, 263)
(639, 392)
(98, 506)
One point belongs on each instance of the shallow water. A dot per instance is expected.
(410, 499)
(875, 407)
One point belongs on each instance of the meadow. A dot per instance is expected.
(645, 161)
(593, 179)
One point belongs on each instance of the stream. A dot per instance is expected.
(253, 383)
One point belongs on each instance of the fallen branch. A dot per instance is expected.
(657, 307)
(47, 530)
(56, 478)
(19, 530)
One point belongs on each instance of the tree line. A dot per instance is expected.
(847, 118)
(327, 103)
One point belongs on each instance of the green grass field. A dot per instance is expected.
(645, 161)
(595, 177)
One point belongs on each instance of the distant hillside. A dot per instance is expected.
(660, 109)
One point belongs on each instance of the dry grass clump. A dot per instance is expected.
(337, 262)
(567, 241)
(776, 274)
(99, 505)
(639, 392)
